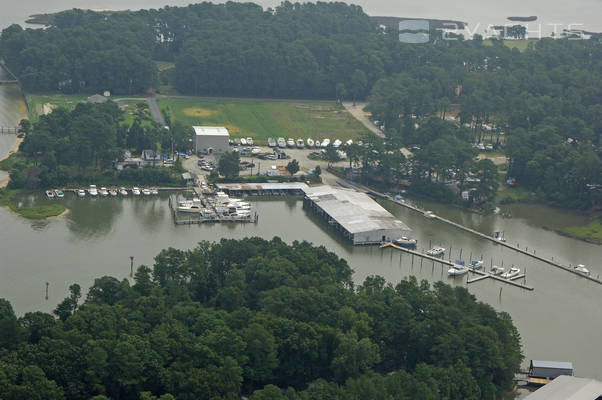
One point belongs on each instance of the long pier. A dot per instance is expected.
(9, 130)
(516, 248)
(482, 275)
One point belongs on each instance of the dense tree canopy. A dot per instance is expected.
(252, 316)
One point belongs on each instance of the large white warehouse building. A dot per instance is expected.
(210, 139)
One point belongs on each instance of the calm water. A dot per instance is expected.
(560, 320)
(585, 14)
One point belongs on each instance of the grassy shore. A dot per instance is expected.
(8, 198)
(591, 232)
(263, 119)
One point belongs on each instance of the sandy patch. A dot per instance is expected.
(5, 181)
(47, 108)
(198, 112)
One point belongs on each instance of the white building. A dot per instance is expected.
(210, 139)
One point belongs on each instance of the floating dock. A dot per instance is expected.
(198, 218)
(482, 275)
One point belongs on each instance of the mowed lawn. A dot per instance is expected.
(263, 119)
(41, 104)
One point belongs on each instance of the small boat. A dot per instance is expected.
(154, 190)
(250, 141)
(581, 268)
(92, 191)
(59, 194)
(476, 264)
(123, 191)
(300, 143)
(514, 271)
(290, 142)
(243, 141)
(255, 150)
(325, 142)
(337, 143)
(281, 143)
(81, 193)
(435, 251)
(457, 269)
(113, 192)
(495, 270)
(50, 194)
(271, 142)
(349, 142)
(103, 192)
(405, 242)
(317, 144)
(146, 191)
(190, 206)
(136, 191)
(310, 143)
(429, 214)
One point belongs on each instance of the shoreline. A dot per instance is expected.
(12, 150)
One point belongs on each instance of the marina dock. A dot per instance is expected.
(482, 274)
(200, 218)
(549, 261)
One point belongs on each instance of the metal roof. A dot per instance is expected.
(568, 388)
(354, 211)
(210, 131)
(263, 186)
(551, 364)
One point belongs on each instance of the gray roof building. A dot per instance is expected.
(569, 388)
(97, 99)
(357, 216)
(549, 369)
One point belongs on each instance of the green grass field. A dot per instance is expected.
(263, 119)
(41, 104)
(591, 232)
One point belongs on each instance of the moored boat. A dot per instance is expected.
(495, 270)
(405, 242)
(136, 191)
(435, 251)
(310, 143)
(154, 190)
(92, 191)
(476, 264)
(58, 193)
(514, 271)
(81, 193)
(113, 192)
(50, 194)
(123, 191)
(146, 191)
(581, 268)
(103, 192)
(458, 268)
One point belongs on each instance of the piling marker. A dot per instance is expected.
(131, 266)
(46, 290)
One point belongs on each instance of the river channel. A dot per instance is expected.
(560, 320)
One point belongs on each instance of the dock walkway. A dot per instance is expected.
(482, 274)
(516, 248)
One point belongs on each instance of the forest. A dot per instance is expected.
(541, 107)
(259, 318)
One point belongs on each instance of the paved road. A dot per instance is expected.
(154, 109)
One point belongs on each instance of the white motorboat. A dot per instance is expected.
(103, 192)
(281, 143)
(325, 142)
(146, 191)
(337, 143)
(154, 190)
(50, 194)
(310, 143)
(123, 191)
(514, 271)
(581, 268)
(243, 141)
(255, 150)
(58, 193)
(435, 251)
(136, 191)
(317, 144)
(290, 142)
(250, 141)
(190, 206)
(457, 269)
(495, 270)
(405, 242)
(349, 142)
(113, 192)
(271, 142)
(92, 191)
(429, 214)
(300, 143)
(81, 193)
(476, 264)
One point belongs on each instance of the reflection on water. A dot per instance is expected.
(99, 235)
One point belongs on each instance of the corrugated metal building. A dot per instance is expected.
(210, 139)
(264, 189)
(549, 369)
(357, 216)
(569, 388)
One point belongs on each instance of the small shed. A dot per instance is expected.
(549, 369)
(97, 99)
